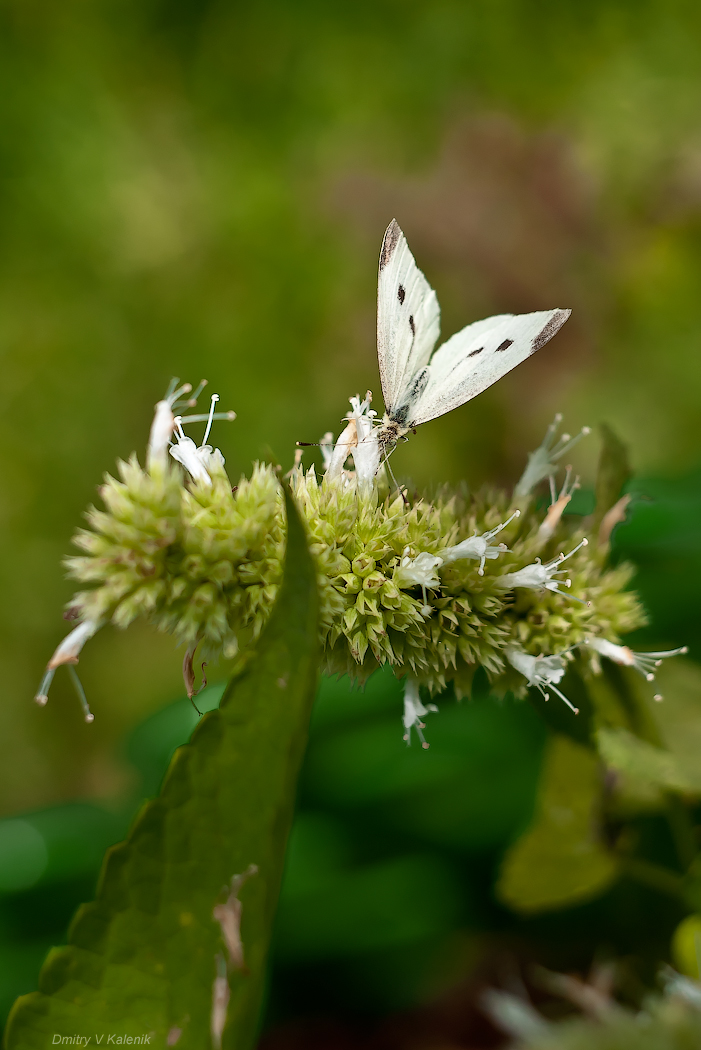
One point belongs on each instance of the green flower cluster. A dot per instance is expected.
(203, 561)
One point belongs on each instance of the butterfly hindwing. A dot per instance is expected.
(479, 355)
(408, 317)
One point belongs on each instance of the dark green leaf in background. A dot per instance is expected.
(667, 755)
(559, 861)
(662, 536)
(143, 957)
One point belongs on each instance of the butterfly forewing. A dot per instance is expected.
(408, 317)
(479, 355)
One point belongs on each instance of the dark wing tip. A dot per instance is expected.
(554, 325)
(389, 243)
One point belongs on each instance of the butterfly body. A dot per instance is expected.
(419, 384)
(393, 428)
(389, 434)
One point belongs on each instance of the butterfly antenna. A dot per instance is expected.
(318, 444)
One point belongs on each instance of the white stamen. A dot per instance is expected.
(541, 671)
(165, 421)
(200, 462)
(172, 395)
(78, 685)
(543, 462)
(214, 399)
(43, 693)
(478, 547)
(67, 653)
(538, 576)
(644, 663)
(414, 711)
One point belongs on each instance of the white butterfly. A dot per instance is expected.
(418, 384)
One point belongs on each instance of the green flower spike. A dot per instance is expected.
(415, 583)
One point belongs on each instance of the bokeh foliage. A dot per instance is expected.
(200, 189)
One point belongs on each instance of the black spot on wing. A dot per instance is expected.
(554, 325)
(473, 353)
(419, 384)
(391, 238)
(401, 293)
(403, 413)
(504, 346)
(411, 324)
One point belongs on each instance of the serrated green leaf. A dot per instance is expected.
(559, 861)
(142, 958)
(613, 472)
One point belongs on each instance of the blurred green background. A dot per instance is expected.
(200, 189)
